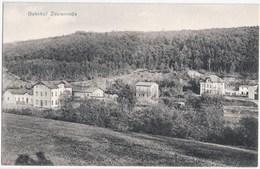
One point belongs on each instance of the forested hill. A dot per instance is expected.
(87, 55)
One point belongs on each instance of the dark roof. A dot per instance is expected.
(85, 90)
(214, 79)
(20, 91)
(54, 84)
(145, 83)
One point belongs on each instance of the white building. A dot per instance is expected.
(212, 85)
(50, 94)
(253, 92)
(230, 92)
(13, 98)
(91, 92)
(243, 90)
(147, 90)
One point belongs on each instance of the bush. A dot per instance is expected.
(248, 131)
(153, 120)
(19, 112)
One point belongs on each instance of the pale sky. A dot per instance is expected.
(120, 17)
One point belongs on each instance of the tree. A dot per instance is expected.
(126, 94)
(207, 117)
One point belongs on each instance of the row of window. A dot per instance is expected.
(208, 85)
(22, 99)
(210, 91)
(143, 95)
(46, 93)
(45, 102)
(97, 94)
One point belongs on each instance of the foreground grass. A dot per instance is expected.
(67, 143)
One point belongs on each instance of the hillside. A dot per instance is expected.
(133, 77)
(87, 55)
(67, 143)
(12, 81)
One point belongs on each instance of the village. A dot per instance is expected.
(51, 94)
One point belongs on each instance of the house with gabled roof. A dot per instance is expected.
(212, 84)
(88, 92)
(50, 94)
(147, 90)
(18, 97)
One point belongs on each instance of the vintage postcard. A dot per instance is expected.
(124, 84)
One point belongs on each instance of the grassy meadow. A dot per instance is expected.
(66, 143)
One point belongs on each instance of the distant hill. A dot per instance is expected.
(87, 55)
(67, 143)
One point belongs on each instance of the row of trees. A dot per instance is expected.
(88, 55)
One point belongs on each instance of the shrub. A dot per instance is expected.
(26, 111)
(248, 131)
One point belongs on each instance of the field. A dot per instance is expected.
(67, 143)
(236, 108)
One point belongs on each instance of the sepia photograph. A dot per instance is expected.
(129, 84)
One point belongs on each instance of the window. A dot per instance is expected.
(7, 98)
(52, 102)
(46, 102)
(52, 94)
(41, 93)
(36, 93)
(18, 99)
(56, 102)
(45, 93)
(55, 93)
(36, 102)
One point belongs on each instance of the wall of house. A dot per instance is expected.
(57, 95)
(212, 88)
(155, 91)
(96, 93)
(13, 100)
(252, 93)
(41, 96)
(150, 92)
(143, 91)
(8, 98)
(243, 90)
(25, 99)
(81, 94)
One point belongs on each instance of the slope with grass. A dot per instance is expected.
(67, 143)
